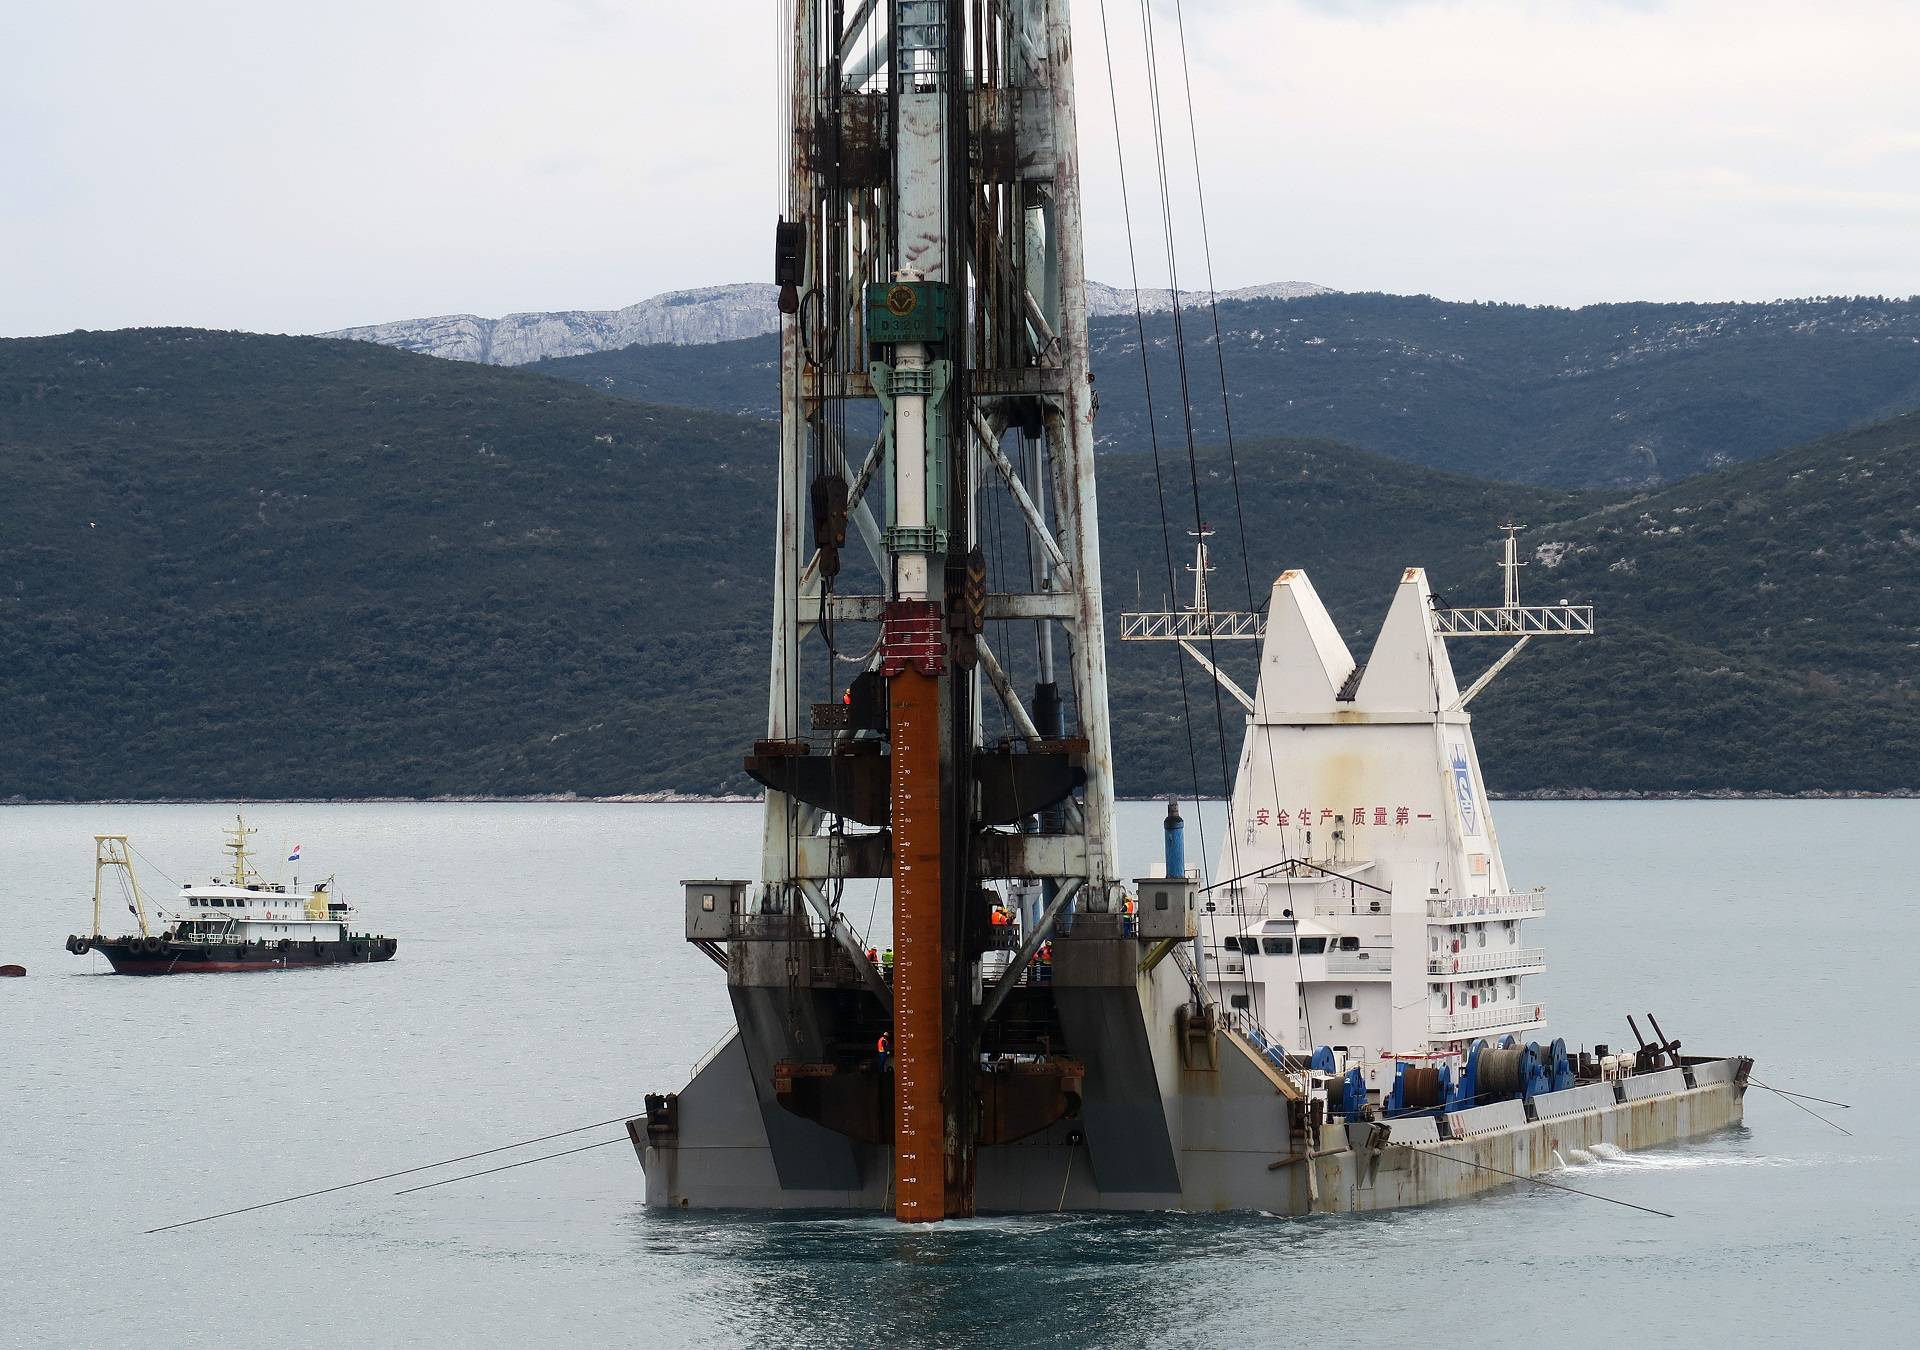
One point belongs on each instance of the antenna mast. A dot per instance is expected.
(1200, 566)
(237, 836)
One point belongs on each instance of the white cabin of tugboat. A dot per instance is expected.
(221, 911)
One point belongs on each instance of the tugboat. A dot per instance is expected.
(236, 922)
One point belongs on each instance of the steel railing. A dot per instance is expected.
(1486, 1019)
(1523, 905)
(1503, 958)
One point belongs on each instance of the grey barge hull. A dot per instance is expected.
(1179, 1117)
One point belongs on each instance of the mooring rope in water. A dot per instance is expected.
(1552, 1185)
(1788, 1097)
(1807, 1096)
(405, 1171)
(508, 1167)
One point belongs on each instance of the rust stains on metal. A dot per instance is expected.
(1017, 1100)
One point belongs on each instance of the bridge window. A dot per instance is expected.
(1313, 946)
(1342, 1001)
(1273, 946)
(1349, 944)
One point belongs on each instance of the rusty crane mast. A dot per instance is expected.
(930, 260)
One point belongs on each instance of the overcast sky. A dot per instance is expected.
(293, 168)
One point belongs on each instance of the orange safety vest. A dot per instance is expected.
(881, 1044)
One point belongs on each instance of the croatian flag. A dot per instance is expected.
(295, 855)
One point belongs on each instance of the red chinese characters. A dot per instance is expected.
(1361, 815)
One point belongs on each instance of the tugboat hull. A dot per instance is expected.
(162, 956)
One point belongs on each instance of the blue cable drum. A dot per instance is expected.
(1507, 1042)
(1559, 1067)
(1467, 1091)
(1397, 1094)
(1353, 1094)
(1535, 1077)
(1418, 1089)
(1322, 1061)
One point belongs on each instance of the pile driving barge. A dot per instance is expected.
(1339, 1023)
(233, 923)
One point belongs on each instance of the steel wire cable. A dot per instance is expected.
(1153, 433)
(1193, 470)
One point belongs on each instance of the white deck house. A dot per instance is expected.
(1360, 900)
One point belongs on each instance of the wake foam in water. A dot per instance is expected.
(1614, 1157)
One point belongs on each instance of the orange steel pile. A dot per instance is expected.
(919, 1140)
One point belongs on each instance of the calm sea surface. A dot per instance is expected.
(542, 983)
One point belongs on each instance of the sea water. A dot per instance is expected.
(542, 983)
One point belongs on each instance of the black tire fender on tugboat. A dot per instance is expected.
(151, 945)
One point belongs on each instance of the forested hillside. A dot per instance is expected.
(1621, 395)
(1752, 623)
(242, 565)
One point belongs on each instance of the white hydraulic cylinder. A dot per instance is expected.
(911, 570)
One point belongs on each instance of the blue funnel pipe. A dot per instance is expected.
(1176, 841)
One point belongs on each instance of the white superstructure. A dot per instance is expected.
(245, 907)
(1363, 903)
(262, 912)
(1360, 901)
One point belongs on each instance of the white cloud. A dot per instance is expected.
(294, 169)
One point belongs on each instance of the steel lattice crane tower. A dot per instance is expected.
(930, 262)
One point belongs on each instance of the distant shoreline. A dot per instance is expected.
(698, 799)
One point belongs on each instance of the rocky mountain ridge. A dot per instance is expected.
(1622, 395)
(688, 318)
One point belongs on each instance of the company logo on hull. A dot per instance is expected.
(1463, 789)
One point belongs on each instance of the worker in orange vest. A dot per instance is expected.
(1002, 926)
